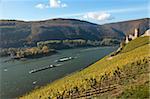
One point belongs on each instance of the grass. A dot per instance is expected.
(89, 77)
(136, 43)
(133, 82)
(136, 92)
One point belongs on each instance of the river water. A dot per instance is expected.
(15, 79)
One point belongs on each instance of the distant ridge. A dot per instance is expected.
(59, 29)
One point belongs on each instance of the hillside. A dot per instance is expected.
(122, 76)
(136, 43)
(16, 33)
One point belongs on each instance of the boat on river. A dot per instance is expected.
(40, 69)
(64, 59)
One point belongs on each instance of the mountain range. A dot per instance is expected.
(15, 33)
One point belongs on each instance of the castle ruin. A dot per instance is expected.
(132, 37)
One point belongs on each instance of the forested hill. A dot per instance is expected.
(16, 33)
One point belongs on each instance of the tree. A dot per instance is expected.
(45, 49)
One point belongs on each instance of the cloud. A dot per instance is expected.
(57, 4)
(101, 16)
(40, 6)
(52, 4)
(63, 5)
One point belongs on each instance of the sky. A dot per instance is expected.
(96, 11)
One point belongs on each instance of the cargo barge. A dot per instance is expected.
(40, 69)
(64, 59)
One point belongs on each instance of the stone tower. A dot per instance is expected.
(127, 40)
(136, 32)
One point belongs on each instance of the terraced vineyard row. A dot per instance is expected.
(92, 92)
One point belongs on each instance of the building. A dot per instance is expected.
(132, 37)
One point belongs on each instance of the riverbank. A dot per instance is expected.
(29, 53)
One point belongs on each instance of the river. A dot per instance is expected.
(15, 79)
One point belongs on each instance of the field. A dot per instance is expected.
(120, 76)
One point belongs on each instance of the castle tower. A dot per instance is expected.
(136, 32)
(127, 40)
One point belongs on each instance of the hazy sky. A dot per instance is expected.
(97, 11)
